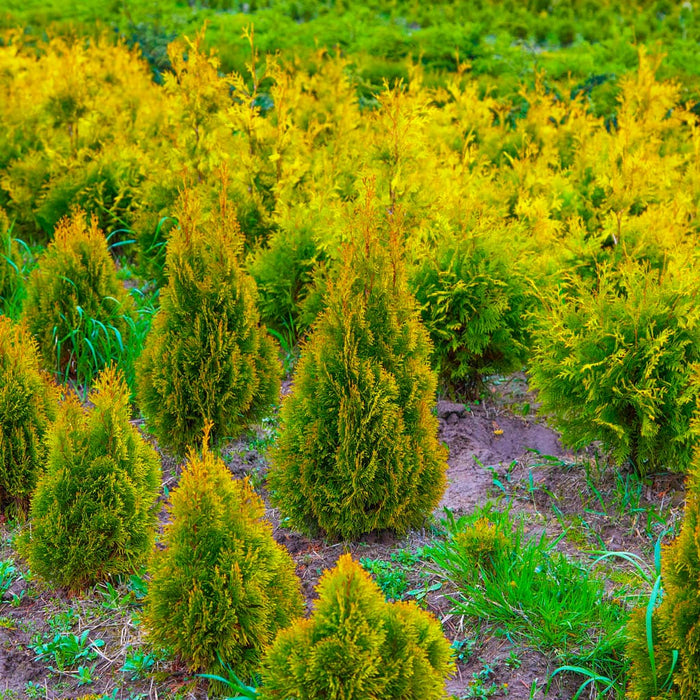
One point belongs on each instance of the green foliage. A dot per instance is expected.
(77, 309)
(358, 447)
(222, 587)
(356, 645)
(284, 271)
(27, 406)
(616, 364)
(93, 513)
(473, 302)
(11, 270)
(65, 649)
(664, 635)
(206, 359)
(537, 594)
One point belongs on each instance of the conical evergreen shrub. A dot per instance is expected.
(206, 360)
(27, 406)
(356, 646)
(358, 447)
(93, 513)
(76, 308)
(674, 626)
(222, 587)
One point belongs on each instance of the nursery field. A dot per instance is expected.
(349, 351)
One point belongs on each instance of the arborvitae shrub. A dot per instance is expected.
(93, 513)
(206, 360)
(615, 363)
(27, 406)
(358, 447)
(473, 302)
(11, 268)
(676, 621)
(77, 309)
(222, 587)
(357, 646)
(284, 271)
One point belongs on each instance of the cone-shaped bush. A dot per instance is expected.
(358, 447)
(222, 588)
(27, 406)
(473, 302)
(93, 513)
(206, 360)
(77, 309)
(617, 364)
(675, 624)
(356, 646)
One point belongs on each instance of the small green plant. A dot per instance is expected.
(390, 578)
(76, 308)
(8, 575)
(206, 360)
(138, 663)
(222, 587)
(93, 513)
(66, 650)
(12, 270)
(616, 364)
(27, 406)
(358, 447)
(357, 645)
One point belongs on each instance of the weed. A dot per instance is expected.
(138, 663)
(391, 579)
(8, 575)
(66, 650)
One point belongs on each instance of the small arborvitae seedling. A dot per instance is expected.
(27, 407)
(207, 360)
(222, 588)
(358, 447)
(473, 302)
(664, 641)
(617, 364)
(357, 646)
(77, 309)
(93, 513)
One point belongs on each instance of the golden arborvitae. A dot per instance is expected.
(222, 587)
(358, 447)
(206, 360)
(27, 406)
(77, 309)
(674, 626)
(93, 512)
(356, 646)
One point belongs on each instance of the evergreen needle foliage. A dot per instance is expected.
(358, 447)
(27, 406)
(616, 364)
(356, 646)
(206, 360)
(93, 513)
(77, 309)
(222, 587)
(473, 303)
(664, 641)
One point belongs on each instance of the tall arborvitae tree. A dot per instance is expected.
(207, 359)
(93, 513)
(358, 646)
(358, 447)
(222, 588)
(27, 407)
(672, 629)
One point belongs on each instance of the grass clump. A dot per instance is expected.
(93, 513)
(356, 645)
(77, 309)
(27, 407)
(358, 447)
(11, 270)
(615, 363)
(222, 587)
(206, 360)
